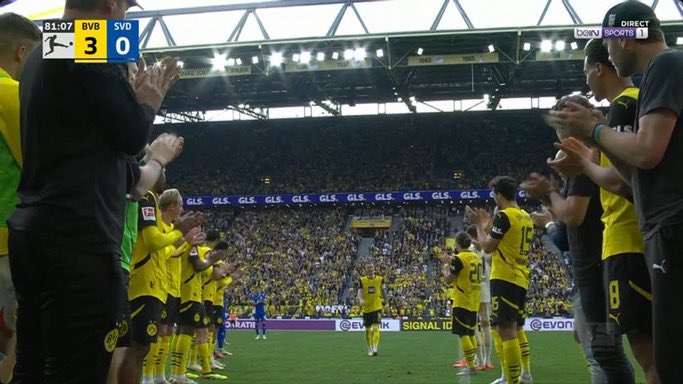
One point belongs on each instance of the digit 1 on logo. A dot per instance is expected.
(123, 41)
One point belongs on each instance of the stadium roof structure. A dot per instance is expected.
(427, 55)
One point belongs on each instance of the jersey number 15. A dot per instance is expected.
(525, 244)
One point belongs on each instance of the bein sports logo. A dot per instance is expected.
(588, 32)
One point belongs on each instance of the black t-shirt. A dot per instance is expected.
(585, 241)
(80, 123)
(658, 192)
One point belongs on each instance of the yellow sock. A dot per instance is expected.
(192, 358)
(162, 356)
(375, 341)
(210, 344)
(175, 356)
(475, 345)
(150, 359)
(526, 353)
(513, 360)
(498, 342)
(203, 352)
(468, 350)
(368, 336)
(181, 351)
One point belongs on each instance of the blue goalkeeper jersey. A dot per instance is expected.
(259, 300)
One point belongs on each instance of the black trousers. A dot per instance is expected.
(664, 257)
(69, 306)
(605, 347)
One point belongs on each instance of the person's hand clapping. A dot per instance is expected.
(574, 120)
(479, 217)
(187, 222)
(195, 236)
(537, 186)
(166, 147)
(152, 84)
(541, 218)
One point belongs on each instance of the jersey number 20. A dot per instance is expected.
(475, 273)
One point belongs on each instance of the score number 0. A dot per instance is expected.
(122, 45)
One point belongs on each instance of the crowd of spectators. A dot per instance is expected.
(370, 153)
(405, 258)
(550, 289)
(300, 257)
(306, 260)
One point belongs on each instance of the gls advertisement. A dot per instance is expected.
(342, 198)
(356, 325)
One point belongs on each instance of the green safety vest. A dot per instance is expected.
(130, 234)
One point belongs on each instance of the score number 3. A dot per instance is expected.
(91, 45)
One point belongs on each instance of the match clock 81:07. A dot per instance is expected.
(58, 26)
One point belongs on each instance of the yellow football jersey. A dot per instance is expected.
(467, 267)
(190, 280)
(10, 152)
(148, 276)
(514, 228)
(622, 233)
(220, 288)
(371, 293)
(208, 286)
(173, 268)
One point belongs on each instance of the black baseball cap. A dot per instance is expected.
(134, 3)
(631, 11)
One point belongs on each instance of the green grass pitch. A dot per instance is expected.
(404, 358)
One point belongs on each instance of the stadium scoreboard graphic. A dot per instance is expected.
(92, 41)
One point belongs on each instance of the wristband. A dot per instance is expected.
(596, 132)
(549, 224)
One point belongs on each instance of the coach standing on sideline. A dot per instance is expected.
(656, 151)
(79, 122)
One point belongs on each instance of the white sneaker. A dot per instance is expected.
(467, 371)
(182, 380)
(264, 337)
(195, 367)
(216, 365)
(257, 337)
(370, 351)
(526, 378)
(500, 380)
